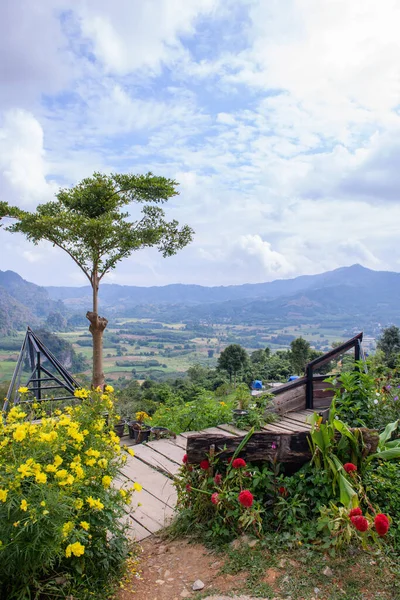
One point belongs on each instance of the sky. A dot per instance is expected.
(279, 118)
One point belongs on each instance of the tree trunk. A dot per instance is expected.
(96, 328)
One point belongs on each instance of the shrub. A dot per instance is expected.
(382, 484)
(61, 528)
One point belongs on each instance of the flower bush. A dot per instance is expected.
(62, 531)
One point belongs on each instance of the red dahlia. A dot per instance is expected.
(381, 524)
(188, 487)
(215, 498)
(355, 512)
(205, 465)
(185, 459)
(360, 523)
(238, 463)
(283, 491)
(349, 467)
(217, 479)
(246, 498)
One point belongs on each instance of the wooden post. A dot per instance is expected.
(309, 388)
(357, 353)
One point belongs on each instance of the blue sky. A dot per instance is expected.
(280, 119)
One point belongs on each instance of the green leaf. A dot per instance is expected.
(389, 454)
(387, 433)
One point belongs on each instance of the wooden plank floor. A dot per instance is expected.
(156, 463)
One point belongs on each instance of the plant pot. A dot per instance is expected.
(119, 428)
(160, 432)
(132, 428)
(239, 413)
(142, 435)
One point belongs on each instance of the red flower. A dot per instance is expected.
(355, 512)
(215, 498)
(283, 491)
(238, 463)
(360, 523)
(218, 479)
(349, 467)
(205, 465)
(188, 487)
(185, 459)
(381, 524)
(229, 460)
(246, 498)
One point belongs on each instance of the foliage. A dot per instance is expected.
(61, 532)
(87, 222)
(382, 484)
(389, 344)
(233, 360)
(258, 413)
(204, 411)
(299, 355)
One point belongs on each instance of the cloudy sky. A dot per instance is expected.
(279, 118)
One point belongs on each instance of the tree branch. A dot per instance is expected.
(73, 258)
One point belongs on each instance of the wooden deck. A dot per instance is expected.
(155, 464)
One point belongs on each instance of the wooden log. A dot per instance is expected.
(290, 449)
(262, 446)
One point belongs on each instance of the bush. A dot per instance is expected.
(382, 484)
(61, 532)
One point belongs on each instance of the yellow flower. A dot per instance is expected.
(137, 487)
(69, 480)
(48, 437)
(3, 495)
(24, 505)
(81, 393)
(79, 472)
(103, 462)
(90, 462)
(45, 512)
(106, 481)
(16, 523)
(223, 403)
(20, 433)
(67, 528)
(76, 549)
(41, 478)
(62, 473)
(50, 468)
(109, 389)
(57, 412)
(23, 390)
(25, 470)
(78, 504)
(85, 525)
(142, 416)
(92, 452)
(57, 460)
(43, 503)
(95, 503)
(123, 493)
(130, 451)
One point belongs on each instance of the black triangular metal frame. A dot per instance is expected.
(37, 353)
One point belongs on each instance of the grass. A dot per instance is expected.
(299, 574)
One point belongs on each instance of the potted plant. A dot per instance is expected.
(141, 431)
(160, 432)
(242, 398)
(119, 427)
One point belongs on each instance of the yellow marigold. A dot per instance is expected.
(3, 495)
(223, 403)
(43, 503)
(35, 405)
(15, 414)
(45, 512)
(141, 415)
(25, 470)
(16, 523)
(41, 478)
(94, 503)
(90, 462)
(62, 473)
(102, 462)
(137, 487)
(24, 505)
(50, 468)
(23, 390)
(79, 472)
(48, 437)
(67, 528)
(81, 393)
(85, 525)
(76, 435)
(106, 481)
(78, 503)
(57, 460)
(123, 493)
(20, 433)
(76, 549)
(92, 452)
(57, 412)
(130, 451)
(109, 389)
(67, 481)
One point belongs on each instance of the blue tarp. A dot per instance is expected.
(257, 385)
(293, 377)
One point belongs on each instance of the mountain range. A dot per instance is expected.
(348, 296)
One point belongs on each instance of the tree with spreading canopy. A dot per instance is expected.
(389, 344)
(88, 222)
(232, 360)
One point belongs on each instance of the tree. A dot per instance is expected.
(299, 355)
(232, 360)
(389, 344)
(87, 222)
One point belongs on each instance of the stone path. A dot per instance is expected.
(156, 463)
